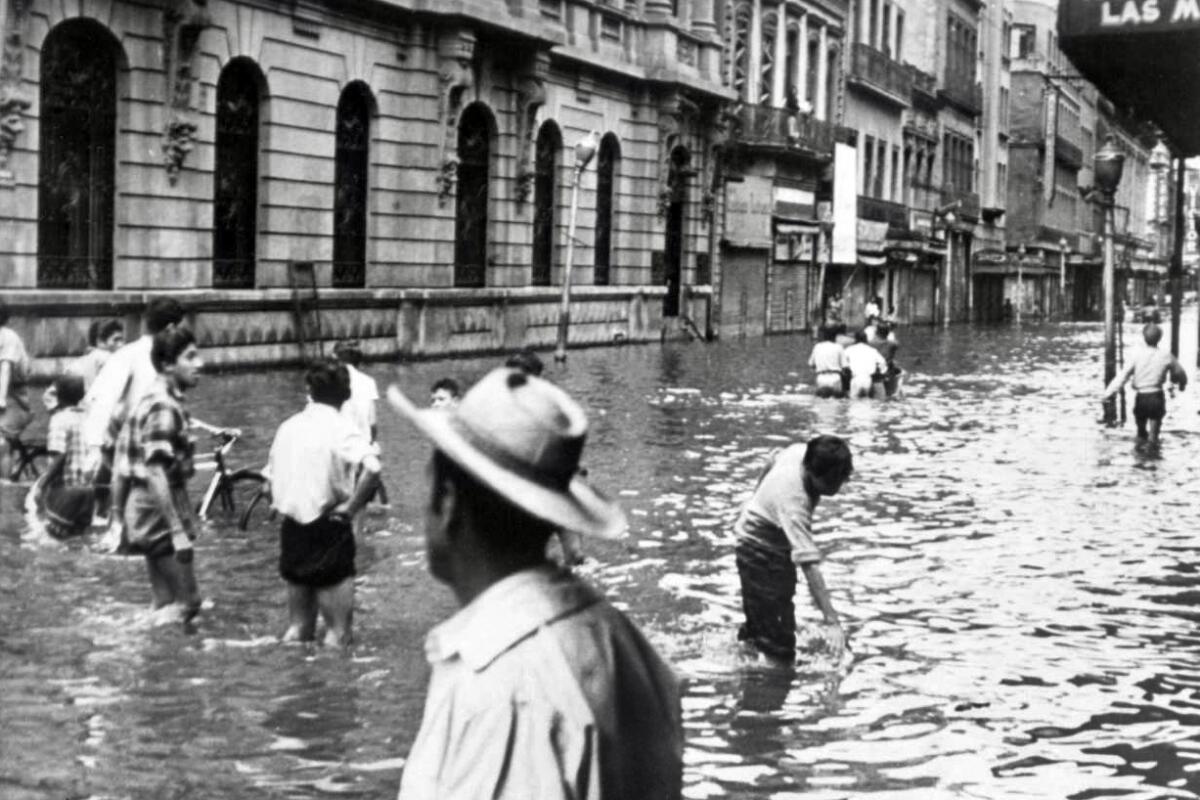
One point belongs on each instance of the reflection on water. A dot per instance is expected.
(1020, 588)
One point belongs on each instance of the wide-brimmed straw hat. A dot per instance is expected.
(521, 436)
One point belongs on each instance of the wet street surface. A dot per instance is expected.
(1020, 587)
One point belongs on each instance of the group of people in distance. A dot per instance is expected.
(540, 687)
(859, 365)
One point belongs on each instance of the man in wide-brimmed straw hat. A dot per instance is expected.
(540, 688)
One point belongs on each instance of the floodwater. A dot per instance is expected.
(1020, 586)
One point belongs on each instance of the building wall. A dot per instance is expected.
(162, 235)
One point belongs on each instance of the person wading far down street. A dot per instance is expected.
(866, 366)
(774, 537)
(540, 688)
(1149, 367)
(322, 471)
(827, 360)
(155, 463)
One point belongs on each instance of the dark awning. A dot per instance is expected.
(1141, 55)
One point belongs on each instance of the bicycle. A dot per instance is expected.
(240, 491)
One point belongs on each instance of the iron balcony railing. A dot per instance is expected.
(875, 70)
(765, 126)
(924, 87)
(1068, 153)
(966, 204)
(877, 210)
(964, 93)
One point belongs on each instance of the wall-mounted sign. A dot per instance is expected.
(748, 208)
(1083, 17)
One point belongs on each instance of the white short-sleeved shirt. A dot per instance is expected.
(864, 360)
(313, 462)
(779, 515)
(360, 408)
(827, 357)
(123, 380)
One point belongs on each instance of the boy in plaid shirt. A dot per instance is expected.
(155, 456)
(65, 492)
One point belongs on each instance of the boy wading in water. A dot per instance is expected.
(774, 537)
(1149, 368)
(323, 470)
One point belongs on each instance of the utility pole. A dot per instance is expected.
(584, 150)
(1176, 275)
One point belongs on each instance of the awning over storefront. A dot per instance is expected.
(1143, 56)
(872, 238)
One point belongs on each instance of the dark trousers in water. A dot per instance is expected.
(768, 591)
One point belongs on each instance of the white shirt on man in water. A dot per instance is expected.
(865, 362)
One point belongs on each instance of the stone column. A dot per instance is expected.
(823, 75)
(778, 78)
(658, 8)
(754, 71)
(864, 21)
(704, 18)
(801, 76)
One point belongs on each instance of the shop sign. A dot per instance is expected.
(748, 208)
(793, 203)
(1101, 17)
(871, 235)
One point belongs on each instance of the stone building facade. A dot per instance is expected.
(407, 164)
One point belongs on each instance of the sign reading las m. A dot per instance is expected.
(1159, 14)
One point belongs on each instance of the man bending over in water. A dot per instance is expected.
(774, 537)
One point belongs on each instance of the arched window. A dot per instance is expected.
(471, 205)
(77, 147)
(606, 171)
(235, 185)
(814, 61)
(545, 201)
(350, 186)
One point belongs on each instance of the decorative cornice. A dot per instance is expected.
(456, 54)
(182, 24)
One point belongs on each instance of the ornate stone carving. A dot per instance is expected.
(722, 126)
(13, 102)
(182, 24)
(456, 52)
(531, 94)
(675, 117)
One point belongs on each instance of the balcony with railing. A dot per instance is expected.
(1068, 153)
(924, 89)
(784, 130)
(877, 210)
(966, 204)
(877, 73)
(963, 93)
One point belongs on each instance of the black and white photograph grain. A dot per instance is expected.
(599, 399)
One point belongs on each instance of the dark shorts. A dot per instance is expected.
(318, 554)
(768, 600)
(68, 510)
(1150, 405)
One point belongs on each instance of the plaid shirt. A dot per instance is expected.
(157, 430)
(66, 436)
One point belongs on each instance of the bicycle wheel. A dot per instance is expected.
(234, 496)
(257, 511)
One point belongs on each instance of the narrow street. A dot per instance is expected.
(1020, 585)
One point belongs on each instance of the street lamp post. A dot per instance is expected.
(1020, 280)
(1062, 277)
(949, 220)
(1109, 163)
(584, 150)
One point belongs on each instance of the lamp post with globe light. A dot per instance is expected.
(1062, 277)
(1108, 164)
(585, 149)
